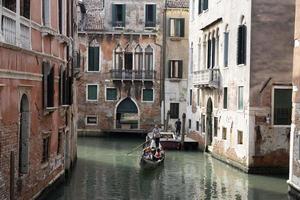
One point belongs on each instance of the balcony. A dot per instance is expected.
(9, 30)
(132, 75)
(207, 78)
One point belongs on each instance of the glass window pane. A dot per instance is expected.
(148, 95)
(111, 94)
(92, 92)
(282, 106)
(241, 98)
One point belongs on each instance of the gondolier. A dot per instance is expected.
(156, 135)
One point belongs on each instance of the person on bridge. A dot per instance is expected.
(178, 127)
(156, 135)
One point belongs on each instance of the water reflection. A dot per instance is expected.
(104, 171)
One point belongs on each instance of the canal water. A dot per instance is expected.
(104, 171)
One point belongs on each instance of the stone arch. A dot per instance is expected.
(24, 126)
(127, 114)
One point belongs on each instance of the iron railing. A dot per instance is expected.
(207, 78)
(142, 75)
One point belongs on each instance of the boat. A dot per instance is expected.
(169, 141)
(147, 161)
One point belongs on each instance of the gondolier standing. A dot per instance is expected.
(156, 135)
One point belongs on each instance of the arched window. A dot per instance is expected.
(209, 51)
(25, 8)
(118, 58)
(213, 50)
(128, 57)
(242, 42)
(138, 55)
(24, 135)
(226, 45)
(149, 58)
(199, 55)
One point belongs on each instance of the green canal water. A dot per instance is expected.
(104, 171)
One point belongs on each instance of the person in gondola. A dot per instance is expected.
(157, 155)
(156, 135)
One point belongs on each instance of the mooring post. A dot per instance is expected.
(183, 131)
(12, 175)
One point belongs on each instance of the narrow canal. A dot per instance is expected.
(105, 171)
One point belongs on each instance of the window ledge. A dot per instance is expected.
(93, 71)
(147, 101)
(281, 126)
(176, 38)
(65, 106)
(241, 65)
(150, 27)
(50, 110)
(175, 79)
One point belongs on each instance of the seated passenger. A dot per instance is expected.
(158, 154)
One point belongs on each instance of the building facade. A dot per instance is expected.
(294, 175)
(119, 83)
(240, 90)
(176, 60)
(35, 82)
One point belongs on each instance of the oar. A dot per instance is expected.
(137, 147)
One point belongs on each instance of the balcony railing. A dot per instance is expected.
(25, 37)
(207, 78)
(9, 30)
(142, 75)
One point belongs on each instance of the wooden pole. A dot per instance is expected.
(183, 131)
(12, 176)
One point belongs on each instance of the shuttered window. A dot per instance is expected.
(92, 92)
(150, 14)
(205, 4)
(93, 59)
(111, 94)
(175, 68)
(148, 95)
(118, 15)
(213, 56)
(48, 85)
(197, 126)
(176, 27)
(200, 6)
(242, 41)
(191, 97)
(203, 123)
(225, 97)
(240, 98)
(226, 48)
(45, 155)
(174, 110)
(209, 54)
(215, 126)
(282, 106)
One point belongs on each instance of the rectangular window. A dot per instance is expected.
(48, 85)
(118, 15)
(59, 143)
(197, 126)
(91, 120)
(226, 48)
(205, 4)
(209, 54)
(241, 47)
(148, 95)
(225, 98)
(282, 106)
(92, 92)
(224, 133)
(93, 64)
(60, 16)
(150, 14)
(191, 97)
(46, 12)
(25, 8)
(203, 123)
(176, 27)
(240, 137)
(111, 94)
(215, 127)
(174, 110)
(175, 68)
(45, 155)
(190, 123)
(10, 4)
(198, 97)
(200, 6)
(240, 98)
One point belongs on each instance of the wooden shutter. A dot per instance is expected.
(244, 42)
(96, 58)
(45, 69)
(50, 88)
(209, 54)
(199, 6)
(91, 59)
(181, 25)
(213, 52)
(154, 15)
(226, 43)
(123, 14)
(170, 70)
(113, 14)
(180, 66)
(205, 5)
(239, 48)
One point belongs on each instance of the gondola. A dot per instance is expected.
(148, 163)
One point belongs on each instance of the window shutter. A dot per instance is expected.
(180, 66)
(226, 43)
(147, 14)
(199, 6)
(205, 6)
(96, 58)
(123, 14)
(50, 88)
(154, 15)
(209, 54)
(181, 27)
(170, 70)
(244, 43)
(239, 48)
(45, 69)
(113, 14)
(213, 52)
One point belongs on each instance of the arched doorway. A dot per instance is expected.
(209, 110)
(24, 135)
(127, 115)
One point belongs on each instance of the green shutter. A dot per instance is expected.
(92, 92)
(123, 14)
(111, 94)
(96, 58)
(180, 66)
(148, 95)
(154, 15)
(91, 59)
(113, 6)
(181, 27)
